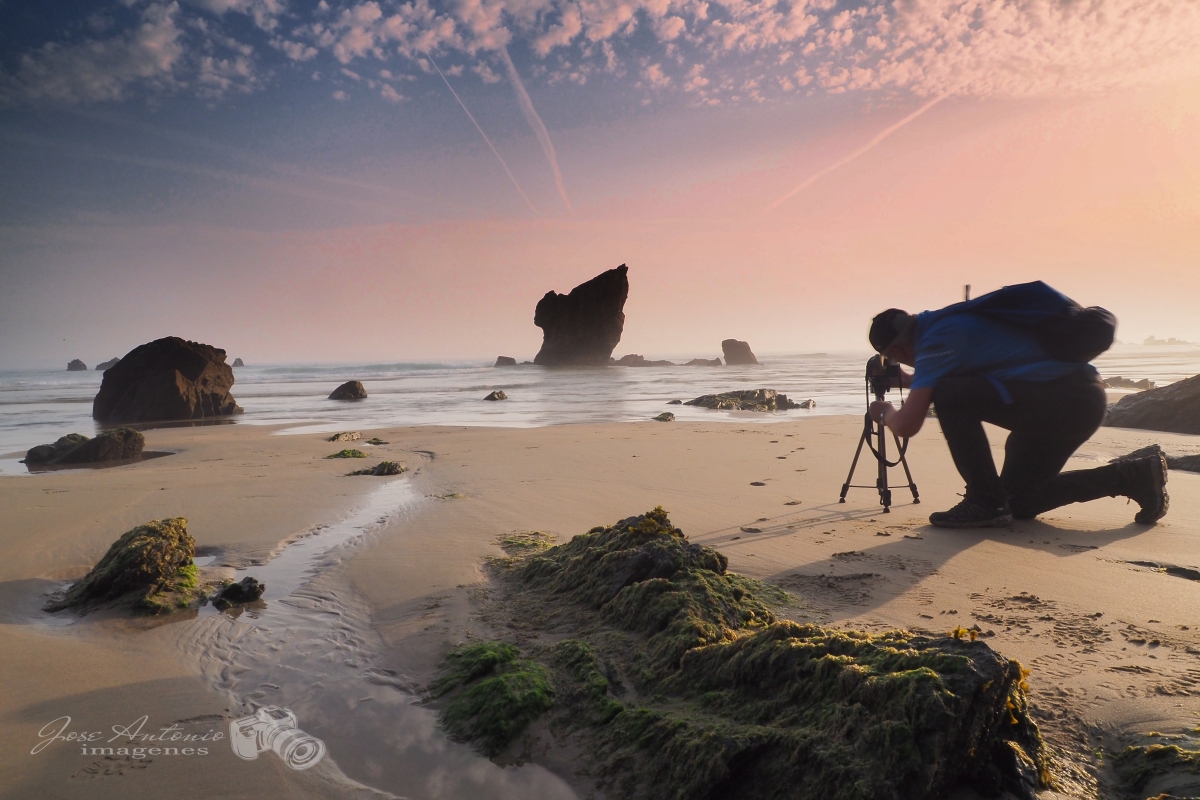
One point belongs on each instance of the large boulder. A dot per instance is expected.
(1174, 408)
(746, 400)
(167, 379)
(75, 365)
(103, 365)
(583, 327)
(737, 352)
(119, 444)
(350, 390)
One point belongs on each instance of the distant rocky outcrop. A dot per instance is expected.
(237, 362)
(1184, 463)
(737, 353)
(103, 365)
(497, 395)
(634, 360)
(1174, 408)
(748, 400)
(1128, 383)
(167, 379)
(119, 444)
(505, 361)
(583, 327)
(75, 365)
(1151, 341)
(350, 390)
(704, 362)
(247, 590)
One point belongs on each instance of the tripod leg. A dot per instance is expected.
(907, 473)
(853, 464)
(885, 494)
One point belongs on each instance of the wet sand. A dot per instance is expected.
(1114, 646)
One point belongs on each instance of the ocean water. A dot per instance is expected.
(40, 406)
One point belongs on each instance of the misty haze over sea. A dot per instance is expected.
(40, 406)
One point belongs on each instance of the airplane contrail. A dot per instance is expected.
(485, 137)
(844, 161)
(535, 122)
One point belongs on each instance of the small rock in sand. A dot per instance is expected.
(247, 590)
(346, 436)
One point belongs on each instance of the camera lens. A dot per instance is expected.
(298, 749)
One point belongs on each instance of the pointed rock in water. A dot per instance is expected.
(237, 362)
(75, 365)
(497, 395)
(247, 590)
(350, 390)
(737, 352)
(150, 560)
(167, 379)
(1174, 408)
(505, 361)
(583, 327)
(103, 365)
(704, 362)
(747, 400)
(118, 444)
(666, 416)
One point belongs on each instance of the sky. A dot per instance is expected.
(347, 181)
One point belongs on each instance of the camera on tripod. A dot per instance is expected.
(882, 375)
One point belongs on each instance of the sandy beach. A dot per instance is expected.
(1112, 645)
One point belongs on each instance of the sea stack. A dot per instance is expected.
(167, 379)
(581, 329)
(237, 362)
(350, 390)
(75, 365)
(737, 352)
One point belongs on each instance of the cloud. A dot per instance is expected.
(265, 13)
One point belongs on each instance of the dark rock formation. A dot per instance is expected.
(150, 560)
(247, 590)
(748, 400)
(75, 365)
(103, 365)
(1174, 408)
(1185, 463)
(237, 362)
(382, 468)
(674, 402)
(497, 395)
(1128, 383)
(807, 404)
(666, 416)
(350, 390)
(75, 448)
(704, 362)
(583, 327)
(634, 360)
(167, 379)
(737, 353)
(505, 361)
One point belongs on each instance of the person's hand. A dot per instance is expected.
(879, 408)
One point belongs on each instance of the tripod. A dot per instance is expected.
(880, 374)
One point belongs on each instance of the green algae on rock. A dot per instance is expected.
(382, 468)
(1164, 768)
(348, 453)
(149, 567)
(675, 673)
(745, 400)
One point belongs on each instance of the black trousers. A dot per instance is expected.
(1048, 422)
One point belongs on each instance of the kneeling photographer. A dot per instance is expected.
(975, 367)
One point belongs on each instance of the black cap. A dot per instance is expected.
(887, 327)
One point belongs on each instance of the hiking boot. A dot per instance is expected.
(971, 513)
(1144, 481)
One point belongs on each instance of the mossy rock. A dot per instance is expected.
(382, 468)
(149, 567)
(666, 416)
(1166, 769)
(348, 453)
(679, 681)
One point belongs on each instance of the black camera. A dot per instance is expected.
(883, 375)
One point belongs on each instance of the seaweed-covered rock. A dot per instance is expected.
(1164, 770)
(1174, 408)
(348, 453)
(247, 590)
(103, 365)
(75, 365)
(119, 444)
(346, 436)
(237, 362)
(167, 379)
(383, 468)
(150, 567)
(666, 416)
(635, 360)
(350, 390)
(505, 361)
(704, 362)
(746, 400)
(737, 352)
(728, 702)
(583, 327)
(497, 395)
